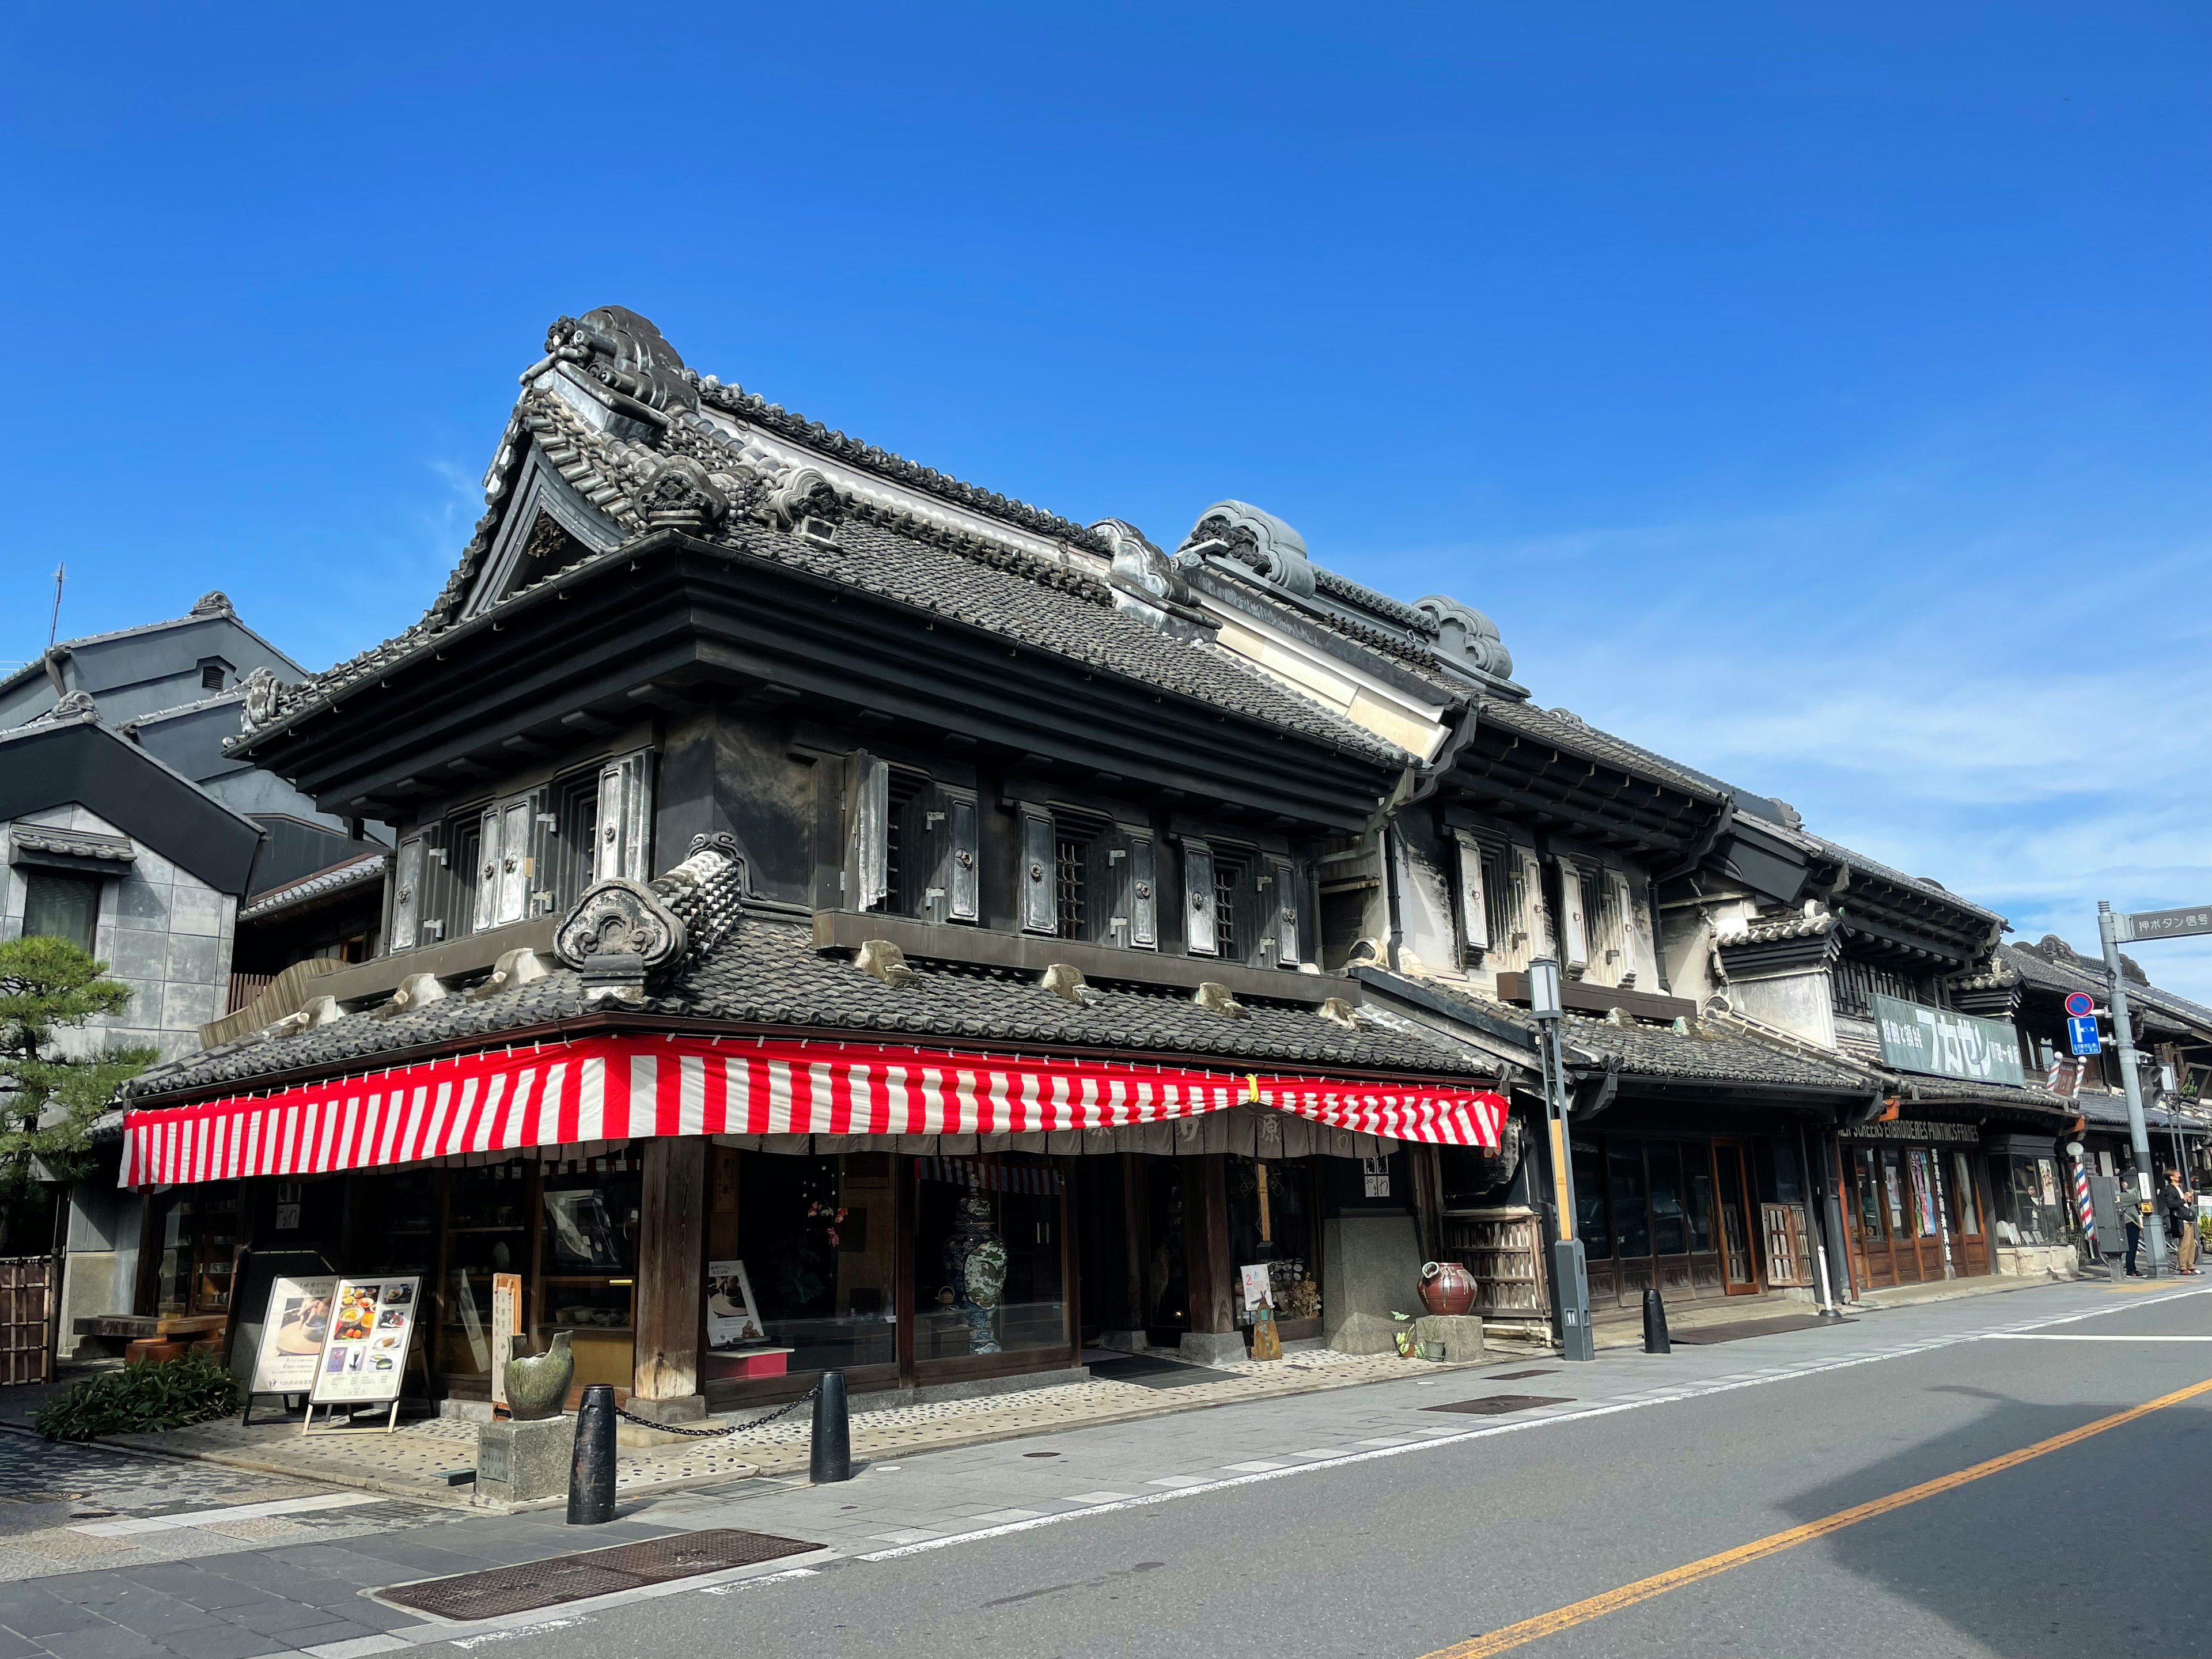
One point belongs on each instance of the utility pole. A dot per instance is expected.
(2124, 1041)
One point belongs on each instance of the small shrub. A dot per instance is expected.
(140, 1398)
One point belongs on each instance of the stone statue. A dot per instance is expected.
(976, 1271)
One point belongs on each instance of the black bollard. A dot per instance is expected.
(832, 1457)
(1654, 1325)
(592, 1470)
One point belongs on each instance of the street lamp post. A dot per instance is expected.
(1569, 1274)
(2138, 1132)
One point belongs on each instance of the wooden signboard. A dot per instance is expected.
(506, 1326)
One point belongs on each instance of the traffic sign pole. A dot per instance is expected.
(2138, 1132)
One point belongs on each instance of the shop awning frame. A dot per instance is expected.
(615, 1088)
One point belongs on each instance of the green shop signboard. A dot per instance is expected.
(1915, 1038)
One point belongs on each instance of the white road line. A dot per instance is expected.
(2077, 1336)
(1260, 1465)
(1100, 1496)
(783, 1577)
(1340, 1460)
(145, 1523)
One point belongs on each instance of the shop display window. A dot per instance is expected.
(1866, 1188)
(1924, 1191)
(1273, 1223)
(589, 1267)
(1589, 1202)
(396, 1222)
(1670, 1232)
(1963, 1204)
(198, 1244)
(487, 1232)
(1632, 1215)
(2030, 1201)
(989, 1256)
(817, 1247)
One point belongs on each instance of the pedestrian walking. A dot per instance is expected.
(2131, 1218)
(2177, 1209)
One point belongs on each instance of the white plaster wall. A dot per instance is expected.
(1798, 1003)
(1425, 911)
(162, 932)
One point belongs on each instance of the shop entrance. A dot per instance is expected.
(1915, 1215)
(1671, 1214)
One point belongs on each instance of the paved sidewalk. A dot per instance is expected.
(312, 1596)
(417, 1461)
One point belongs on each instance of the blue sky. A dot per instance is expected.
(1821, 400)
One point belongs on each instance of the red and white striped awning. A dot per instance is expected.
(612, 1088)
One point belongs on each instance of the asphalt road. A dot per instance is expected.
(2094, 1547)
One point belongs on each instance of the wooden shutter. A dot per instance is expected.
(867, 815)
(963, 891)
(486, 874)
(1474, 917)
(625, 826)
(1198, 899)
(1282, 900)
(1040, 892)
(407, 895)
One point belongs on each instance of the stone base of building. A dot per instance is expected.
(1452, 1337)
(1211, 1347)
(2052, 1261)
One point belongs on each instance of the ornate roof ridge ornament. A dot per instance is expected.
(1466, 637)
(621, 931)
(625, 353)
(1149, 586)
(1255, 539)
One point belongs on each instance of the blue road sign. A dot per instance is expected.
(2078, 1002)
(2081, 1034)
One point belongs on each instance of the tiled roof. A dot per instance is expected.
(767, 973)
(2036, 969)
(349, 873)
(1708, 1051)
(1575, 735)
(1059, 606)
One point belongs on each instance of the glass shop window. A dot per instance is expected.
(1919, 1159)
(1893, 1188)
(1962, 1202)
(60, 905)
(487, 1232)
(1697, 1195)
(588, 1265)
(397, 1222)
(1631, 1213)
(199, 1242)
(814, 1239)
(1670, 1230)
(1271, 1220)
(2029, 1199)
(989, 1266)
(1867, 1187)
(1589, 1202)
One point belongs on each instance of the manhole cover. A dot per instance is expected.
(1516, 1376)
(1496, 1405)
(595, 1572)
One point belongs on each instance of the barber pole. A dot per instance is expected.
(2082, 1209)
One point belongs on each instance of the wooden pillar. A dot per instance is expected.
(1206, 1241)
(673, 1213)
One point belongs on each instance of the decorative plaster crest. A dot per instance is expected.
(260, 705)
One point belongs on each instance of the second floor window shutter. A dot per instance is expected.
(1637, 962)
(407, 894)
(867, 817)
(486, 874)
(1574, 937)
(1282, 900)
(515, 860)
(1474, 917)
(963, 892)
(1040, 889)
(1198, 912)
(1143, 887)
(1532, 920)
(625, 822)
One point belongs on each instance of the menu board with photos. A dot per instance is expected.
(293, 1334)
(365, 1354)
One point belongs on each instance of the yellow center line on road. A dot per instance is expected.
(1644, 1589)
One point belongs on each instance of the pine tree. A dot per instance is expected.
(47, 986)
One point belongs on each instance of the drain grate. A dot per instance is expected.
(1496, 1405)
(1516, 1376)
(595, 1572)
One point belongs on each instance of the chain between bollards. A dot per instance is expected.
(726, 1428)
(592, 1468)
